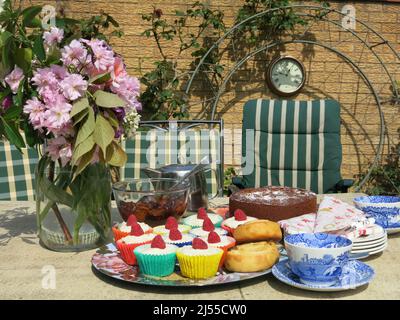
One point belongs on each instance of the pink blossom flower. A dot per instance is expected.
(73, 86)
(53, 36)
(59, 71)
(36, 111)
(50, 95)
(65, 154)
(75, 54)
(44, 78)
(119, 69)
(14, 79)
(127, 88)
(59, 148)
(7, 102)
(103, 56)
(57, 115)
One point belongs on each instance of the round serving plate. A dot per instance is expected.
(362, 276)
(108, 261)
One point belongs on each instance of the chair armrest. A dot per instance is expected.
(344, 185)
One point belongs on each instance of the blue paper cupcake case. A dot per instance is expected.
(156, 265)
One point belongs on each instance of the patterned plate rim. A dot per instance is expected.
(279, 276)
(221, 279)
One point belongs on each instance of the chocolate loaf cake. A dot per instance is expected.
(273, 203)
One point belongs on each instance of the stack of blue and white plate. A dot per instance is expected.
(384, 209)
(371, 244)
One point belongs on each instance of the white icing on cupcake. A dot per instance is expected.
(195, 222)
(125, 228)
(199, 232)
(224, 241)
(189, 251)
(233, 223)
(147, 249)
(164, 231)
(138, 239)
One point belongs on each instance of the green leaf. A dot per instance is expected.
(82, 148)
(29, 15)
(79, 106)
(8, 53)
(23, 58)
(87, 128)
(116, 155)
(12, 134)
(4, 36)
(103, 133)
(101, 78)
(38, 48)
(108, 100)
(13, 112)
(20, 94)
(80, 116)
(84, 162)
(113, 120)
(53, 192)
(30, 134)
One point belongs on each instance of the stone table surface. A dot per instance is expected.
(24, 265)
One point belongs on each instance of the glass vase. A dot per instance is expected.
(73, 212)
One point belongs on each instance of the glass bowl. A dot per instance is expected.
(150, 199)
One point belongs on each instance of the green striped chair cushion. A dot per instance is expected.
(155, 148)
(17, 172)
(292, 143)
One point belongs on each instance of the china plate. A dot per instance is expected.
(364, 275)
(107, 261)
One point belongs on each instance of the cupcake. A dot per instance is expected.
(124, 229)
(196, 221)
(176, 238)
(221, 242)
(207, 227)
(127, 244)
(239, 218)
(199, 261)
(156, 259)
(170, 224)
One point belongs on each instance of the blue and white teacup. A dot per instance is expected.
(317, 258)
(384, 209)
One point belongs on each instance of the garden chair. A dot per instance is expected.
(159, 143)
(292, 143)
(17, 172)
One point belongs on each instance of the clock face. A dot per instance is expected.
(286, 76)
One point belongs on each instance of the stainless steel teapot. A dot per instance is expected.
(198, 195)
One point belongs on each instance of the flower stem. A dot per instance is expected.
(57, 212)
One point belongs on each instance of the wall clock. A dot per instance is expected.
(286, 76)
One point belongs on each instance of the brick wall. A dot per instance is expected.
(327, 74)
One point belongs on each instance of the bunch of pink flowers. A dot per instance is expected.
(85, 67)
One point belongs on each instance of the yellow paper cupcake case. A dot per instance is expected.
(199, 267)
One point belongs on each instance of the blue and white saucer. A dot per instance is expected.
(355, 274)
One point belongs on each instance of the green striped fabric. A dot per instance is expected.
(155, 148)
(17, 172)
(292, 143)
